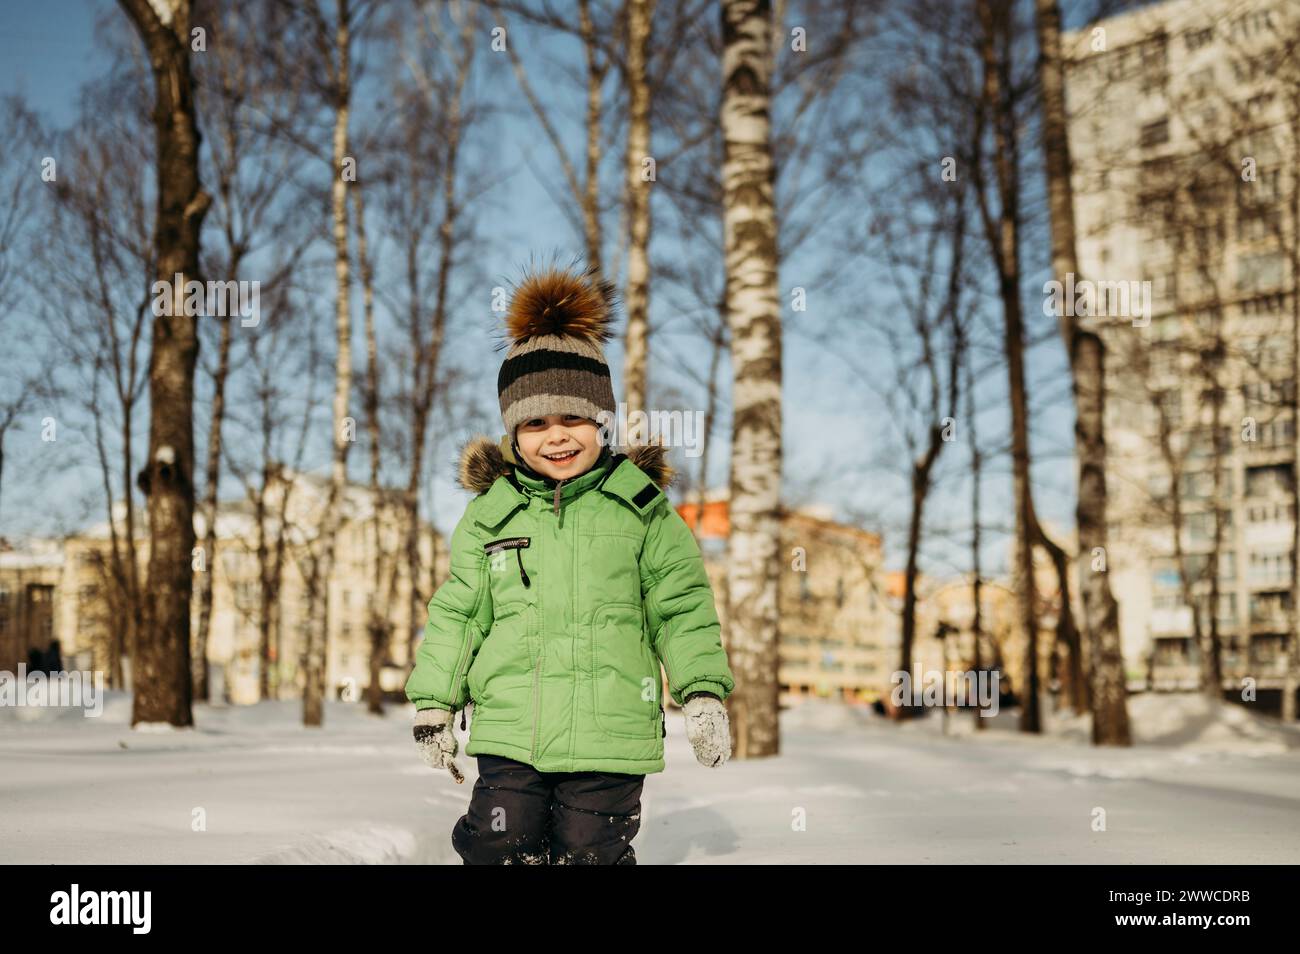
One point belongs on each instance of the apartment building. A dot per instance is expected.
(1183, 120)
(838, 636)
(59, 590)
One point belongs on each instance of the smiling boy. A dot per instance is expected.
(573, 580)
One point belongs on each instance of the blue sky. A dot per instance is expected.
(834, 431)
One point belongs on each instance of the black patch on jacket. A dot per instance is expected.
(645, 495)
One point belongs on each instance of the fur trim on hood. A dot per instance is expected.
(483, 460)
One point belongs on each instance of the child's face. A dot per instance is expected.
(554, 435)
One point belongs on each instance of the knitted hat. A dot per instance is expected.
(557, 322)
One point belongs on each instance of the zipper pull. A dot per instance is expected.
(462, 718)
(557, 494)
(523, 575)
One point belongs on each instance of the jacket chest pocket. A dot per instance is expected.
(508, 569)
(625, 673)
(501, 680)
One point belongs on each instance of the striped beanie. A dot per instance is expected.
(557, 322)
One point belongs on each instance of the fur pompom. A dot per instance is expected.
(557, 301)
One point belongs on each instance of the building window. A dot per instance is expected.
(1263, 393)
(1195, 39)
(1228, 608)
(1165, 575)
(1202, 79)
(1200, 526)
(1270, 608)
(1269, 512)
(1270, 568)
(1154, 134)
(1268, 481)
(1265, 190)
(1170, 408)
(1259, 272)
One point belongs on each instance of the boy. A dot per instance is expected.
(572, 580)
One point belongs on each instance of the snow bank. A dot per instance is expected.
(1190, 722)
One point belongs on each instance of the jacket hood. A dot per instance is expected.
(483, 460)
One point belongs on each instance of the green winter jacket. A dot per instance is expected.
(561, 604)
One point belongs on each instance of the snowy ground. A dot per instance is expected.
(848, 787)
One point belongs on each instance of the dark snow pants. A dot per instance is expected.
(518, 815)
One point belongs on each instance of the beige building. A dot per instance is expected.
(1182, 125)
(29, 580)
(945, 625)
(838, 635)
(58, 590)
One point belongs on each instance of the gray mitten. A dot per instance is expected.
(708, 728)
(436, 740)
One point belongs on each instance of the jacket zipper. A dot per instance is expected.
(541, 655)
(659, 687)
(537, 672)
(469, 644)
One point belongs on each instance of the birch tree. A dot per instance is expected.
(1087, 355)
(753, 313)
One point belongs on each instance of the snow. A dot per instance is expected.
(249, 784)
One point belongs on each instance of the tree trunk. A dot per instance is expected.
(920, 491)
(1212, 657)
(1004, 238)
(637, 189)
(1074, 686)
(1108, 697)
(595, 81)
(977, 582)
(199, 664)
(322, 559)
(1186, 584)
(378, 627)
(716, 346)
(161, 665)
(1291, 644)
(754, 316)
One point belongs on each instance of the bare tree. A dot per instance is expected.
(163, 691)
(331, 43)
(427, 184)
(1088, 373)
(28, 371)
(1002, 232)
(250, 172)
(640, 17)
(98, 259)
(285, 351)
(753, 312)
